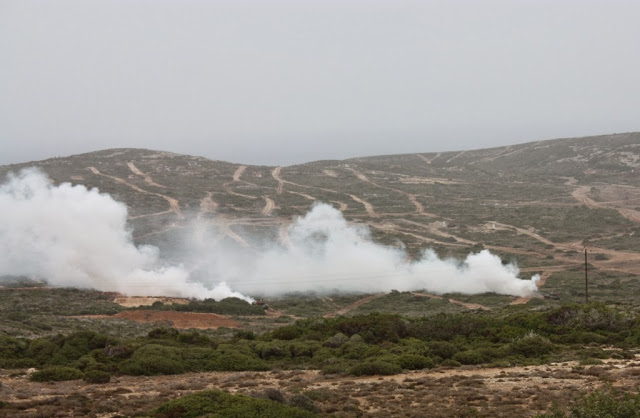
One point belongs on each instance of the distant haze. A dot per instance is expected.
(282, 82)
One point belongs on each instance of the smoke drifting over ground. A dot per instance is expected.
(72, 236)
(325, 253)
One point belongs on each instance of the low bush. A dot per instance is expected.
(223, 404)
(56, 374)
(469, 357)
(97, 376)
(304, 402)
(376, 367)
(532, 345)
(601, 403)
(414, 362)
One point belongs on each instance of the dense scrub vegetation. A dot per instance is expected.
(600, 403)
(222, 404)
(228, 306)
(360, 345)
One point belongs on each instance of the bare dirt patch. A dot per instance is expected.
(135, 301)
(184, 320)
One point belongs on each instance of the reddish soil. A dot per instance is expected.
(175, 319)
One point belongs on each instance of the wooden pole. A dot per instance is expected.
(586, 277)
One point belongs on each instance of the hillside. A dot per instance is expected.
(536, 203)
(354, 353)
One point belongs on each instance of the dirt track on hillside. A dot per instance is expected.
(174, 204)
(581, 195)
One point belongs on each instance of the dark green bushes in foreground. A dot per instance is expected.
(598, 404)
(222, 404)
(227, 306)
(56, 374)
(370, 344)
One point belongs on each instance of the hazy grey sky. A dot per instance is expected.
(278, 82)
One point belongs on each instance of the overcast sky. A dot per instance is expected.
(280, 82)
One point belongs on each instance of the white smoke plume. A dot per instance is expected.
(72, 236)
(326, 254)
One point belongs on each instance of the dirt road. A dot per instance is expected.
(269, 206)
(174, 204)
(581, 195)
(276, 175)
(147, 178)
(238, 173)
(354, 305)
(367, 206)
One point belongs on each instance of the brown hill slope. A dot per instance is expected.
(536, 202)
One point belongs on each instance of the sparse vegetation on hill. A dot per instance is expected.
(534, 204)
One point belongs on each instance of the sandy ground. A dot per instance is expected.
(442, 392)
(182, 320)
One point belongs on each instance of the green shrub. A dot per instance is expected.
(97, 376)
(443, 349)
(304, 402)
(41, 350)
(223, 404)
(163, 333)
(600, 404)
(579, 337)
(607, 404)
(335, 368)
(375, 367)
(56, 374)
(414, 362)
(151, 366)
(194, 338)
(355, 351)
(227, 306)
(271, 350)
(287, 332)
(451, 363)
(303, 348)
(244, 335)
(12, 347)
(237, 361)
(532, 345)
(469, 357)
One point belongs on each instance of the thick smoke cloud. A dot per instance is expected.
(72, 236)
(325, 253)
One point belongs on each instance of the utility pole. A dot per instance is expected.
(586, 278)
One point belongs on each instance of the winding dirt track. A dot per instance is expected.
(174, 204)
(238, 173)
(412, 198)
(354, 305)
(367, 206)
(236, 179)
(581, 195)
(460, 154)
(343, 206)
(207, 205)
(472, 306)
(225, 229)
(428, 160)
(276, 175)
(268, 206)
(147, 178)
